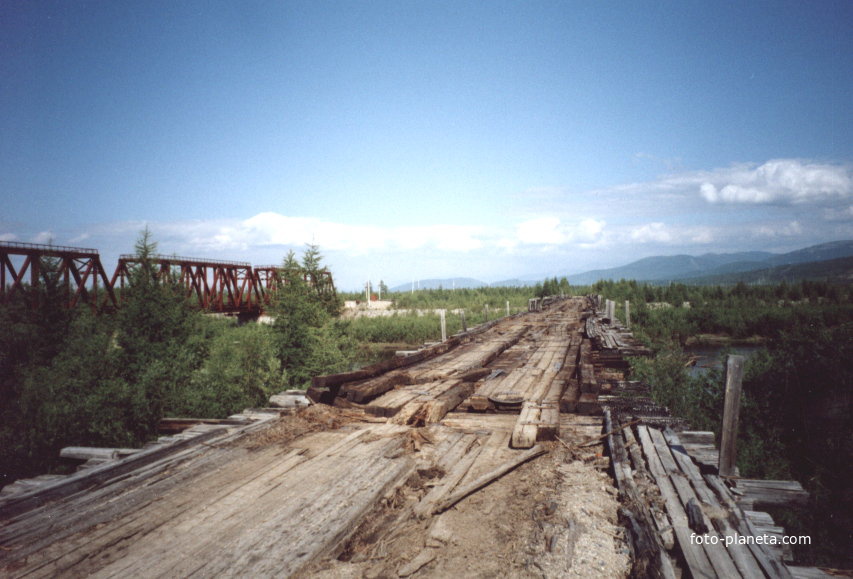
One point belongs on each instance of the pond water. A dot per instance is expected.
(708, 356)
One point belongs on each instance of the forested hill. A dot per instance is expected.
(732, 267)
(832, 270)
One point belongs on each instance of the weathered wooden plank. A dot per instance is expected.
(364, 391)
(489, 477)
(770, 565)
(526, 428)
(773, 492)
(435, 410)
(588, 405)
(731, 410)
(429, 503)
(649, 554)
(549, 426)
(89, 452)
(96, 476)
(719, 557)
(569, 399)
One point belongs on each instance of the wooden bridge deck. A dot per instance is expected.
(433, 467)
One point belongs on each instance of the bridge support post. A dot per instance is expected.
(731, 410)
(627, 315)
(442, 315)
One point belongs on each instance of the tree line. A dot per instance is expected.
(75, 377)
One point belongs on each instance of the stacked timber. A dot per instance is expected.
(693, 501)
(612, 340)
(532, 380)
(536, 422)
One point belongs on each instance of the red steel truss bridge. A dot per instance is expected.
(228, 287)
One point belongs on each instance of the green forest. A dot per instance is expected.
(80, 377)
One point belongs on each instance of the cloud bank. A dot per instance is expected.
(783, 181)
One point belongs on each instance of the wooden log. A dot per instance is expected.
(773, 493)
(436, 495)
(588, 405)
(435, 410)
(364, 391)
(489, 478)
(90, 452)
(569, 400)
(526, 428)
(731, 409)
(336, 380)
(549, 427)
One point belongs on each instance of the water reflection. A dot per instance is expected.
(707, 357)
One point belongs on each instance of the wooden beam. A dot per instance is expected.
(731, 409)
(490, 477)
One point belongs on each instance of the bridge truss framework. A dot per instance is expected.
(216, 286)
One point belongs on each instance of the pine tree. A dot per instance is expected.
(156, 330)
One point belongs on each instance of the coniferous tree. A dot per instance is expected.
(156, 332)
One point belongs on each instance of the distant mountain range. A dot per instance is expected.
(828, 261)
(449, 283)
(838, 270)
(725, 267)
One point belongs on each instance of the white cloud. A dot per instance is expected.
(701, 235)
(550, 231)
(542, 230)
(790, 229)
(839, 213)
(784, 181)
(8, 237)
(43, 237)
(658, 232)
(589, 231)
(651, 232)
(276, 229)
(80, 238)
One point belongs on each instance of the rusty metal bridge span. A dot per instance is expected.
(228, 287)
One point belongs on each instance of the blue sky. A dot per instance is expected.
(428, 139)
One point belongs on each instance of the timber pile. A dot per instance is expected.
(671, 495)
(521, 365)
(612, 341)
(326, 389)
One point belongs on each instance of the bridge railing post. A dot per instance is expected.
(731, 410)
